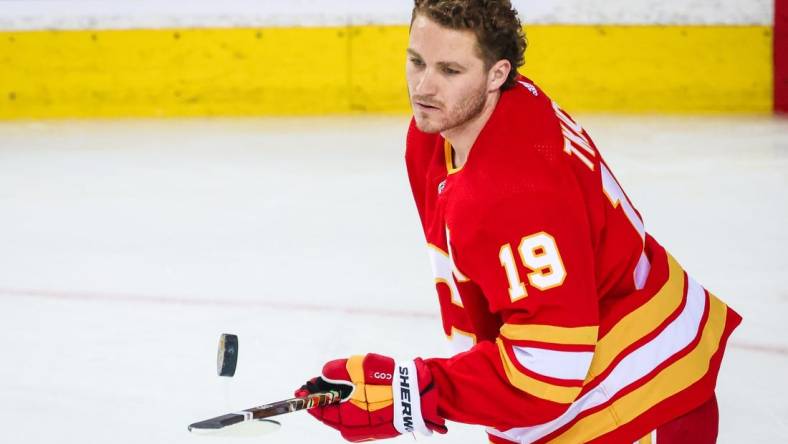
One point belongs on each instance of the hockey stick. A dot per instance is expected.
(267, 411)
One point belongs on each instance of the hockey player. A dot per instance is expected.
(572, 324)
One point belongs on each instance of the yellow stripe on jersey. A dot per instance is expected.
(532, 386)
(448, 155)
(550, 334)
(670, 381)
(456, 331)
(640, 322)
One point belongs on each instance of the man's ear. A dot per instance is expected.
(498, 74)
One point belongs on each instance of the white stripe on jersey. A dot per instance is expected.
(673, 338)
(554, 363)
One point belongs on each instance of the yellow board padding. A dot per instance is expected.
(352, 69)
(182, 72)
(654, 68)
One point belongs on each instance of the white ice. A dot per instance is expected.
(127, 247)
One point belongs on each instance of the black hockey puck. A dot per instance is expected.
(227, 357)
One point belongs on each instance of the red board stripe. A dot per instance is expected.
(781, 56)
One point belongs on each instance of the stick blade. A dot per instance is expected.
(246, 429)
(218, 422)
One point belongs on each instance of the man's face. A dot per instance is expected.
(447, 80)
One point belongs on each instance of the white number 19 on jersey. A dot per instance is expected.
(538, 253)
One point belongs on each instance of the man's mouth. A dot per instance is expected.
(426, 106)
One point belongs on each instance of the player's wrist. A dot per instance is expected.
(430, 396)
(410, 384)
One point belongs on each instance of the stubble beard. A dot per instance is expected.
(469, 107)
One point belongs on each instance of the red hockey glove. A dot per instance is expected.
(380, 398)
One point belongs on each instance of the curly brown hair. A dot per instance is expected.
(498, 30)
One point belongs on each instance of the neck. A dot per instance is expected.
(463, 136)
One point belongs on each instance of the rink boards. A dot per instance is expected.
(717, 59)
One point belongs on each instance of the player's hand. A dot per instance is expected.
(380, 398)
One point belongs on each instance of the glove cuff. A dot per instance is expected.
(407, 399)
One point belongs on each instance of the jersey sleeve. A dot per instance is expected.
(532, 259)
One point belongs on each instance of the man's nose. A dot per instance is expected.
(426, 84)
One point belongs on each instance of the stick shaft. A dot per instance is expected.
(269, 410)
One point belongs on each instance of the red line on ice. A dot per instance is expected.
(772, 349)
(9, 293)
(209, 302)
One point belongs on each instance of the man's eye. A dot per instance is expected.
(450, 71)
(416, 62)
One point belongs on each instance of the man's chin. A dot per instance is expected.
(427, 126)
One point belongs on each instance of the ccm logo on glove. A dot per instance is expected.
(383, 376)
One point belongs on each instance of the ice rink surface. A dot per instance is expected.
(127, 247)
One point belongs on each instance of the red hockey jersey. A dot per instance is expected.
(571, 323)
